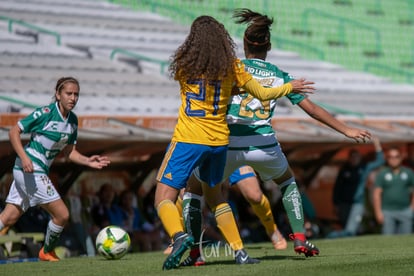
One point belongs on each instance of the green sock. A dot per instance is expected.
(192, 216)
(293, 206)
(52, 236)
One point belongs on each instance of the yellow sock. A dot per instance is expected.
(264, 212)
(170, 218)
(227, 225)
(179, 204)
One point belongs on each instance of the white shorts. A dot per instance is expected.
(269, 163)
(31, 189)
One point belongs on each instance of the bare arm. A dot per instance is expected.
(377, 144)
(94, 161)
(320, 114)
(377, 201)
(15, 140)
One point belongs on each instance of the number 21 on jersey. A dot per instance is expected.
(212, 86)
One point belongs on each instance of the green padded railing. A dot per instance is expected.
(408, 17)
(342, 23)
(390, 71)
(162, 63)
(379, 28)
(156, 6)
(12, 21)
(282, 42)
(23, 103)
(314, 51)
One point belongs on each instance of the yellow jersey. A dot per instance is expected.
(202, 114)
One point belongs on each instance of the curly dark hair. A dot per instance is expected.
(208, 51)
(257, 33)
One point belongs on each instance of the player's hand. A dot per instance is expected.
(98, 162)
(27, 165)
(359, 135)
(302, 86)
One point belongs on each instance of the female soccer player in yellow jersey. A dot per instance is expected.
(253, 142)
(207, 69)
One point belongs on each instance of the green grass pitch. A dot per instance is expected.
(363, 255)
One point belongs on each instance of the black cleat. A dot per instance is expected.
(243, 258)
(304, 247)
(194, 259)
(182, 242)
(191, 261)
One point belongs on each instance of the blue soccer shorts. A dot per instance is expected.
(182, 158)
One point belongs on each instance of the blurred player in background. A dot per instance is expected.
(393, 195)
(53, 129)
(350, 186)
(207, 69)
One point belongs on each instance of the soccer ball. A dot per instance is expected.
(112, 242)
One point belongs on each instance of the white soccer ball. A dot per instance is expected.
(112, 242)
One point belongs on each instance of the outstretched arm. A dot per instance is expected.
(320, 114)
(295, 86)
(94, 161)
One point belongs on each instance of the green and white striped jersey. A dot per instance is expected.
(50, 133)
(249, 119)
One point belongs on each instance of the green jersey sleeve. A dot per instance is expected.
(294, 98)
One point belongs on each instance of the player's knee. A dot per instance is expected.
(254, 198)
(8, 221)
(63, 218)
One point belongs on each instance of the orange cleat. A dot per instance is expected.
(49, 256)
(279, 242)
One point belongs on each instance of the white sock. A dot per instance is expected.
(54, 227)
(52, 236)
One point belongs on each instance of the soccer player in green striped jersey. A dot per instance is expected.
(53, 129)
(252, 139)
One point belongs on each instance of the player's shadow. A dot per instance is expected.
(262, 258)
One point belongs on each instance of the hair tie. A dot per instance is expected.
(256, 43)
(66, 81)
